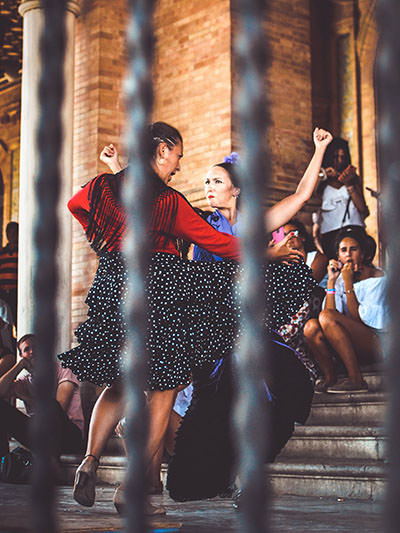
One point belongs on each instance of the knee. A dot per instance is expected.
(312, 329)
(115, 392)
(327, 317)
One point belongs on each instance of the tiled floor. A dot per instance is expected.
(288, 514)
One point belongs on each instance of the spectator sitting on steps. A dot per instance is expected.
(67, 434)
(354, 319)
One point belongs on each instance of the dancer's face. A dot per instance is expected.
(219, 189)
(167, 161)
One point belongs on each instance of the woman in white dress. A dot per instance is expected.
(354, 316)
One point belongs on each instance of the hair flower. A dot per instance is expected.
(232, 158)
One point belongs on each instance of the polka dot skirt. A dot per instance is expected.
(193, 316)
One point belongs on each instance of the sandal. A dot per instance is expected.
(120, 504)
(346, 385)
(84, 491)
(320, 386)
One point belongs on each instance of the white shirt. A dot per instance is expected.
(371, 296)
(333, 208)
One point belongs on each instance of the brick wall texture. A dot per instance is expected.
(194, 89)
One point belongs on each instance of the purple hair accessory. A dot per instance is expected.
(232, 158)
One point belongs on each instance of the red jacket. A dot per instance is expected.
(187, 225)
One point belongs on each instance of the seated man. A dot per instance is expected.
(67, 434)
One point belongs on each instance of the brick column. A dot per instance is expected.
(33, 15)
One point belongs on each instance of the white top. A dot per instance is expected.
(333, 208)
(371, 296)
(310, 257)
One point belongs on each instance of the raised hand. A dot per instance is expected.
(321, 138)
(334, 268)
(281, 252)
(348, 273)
(110, 157)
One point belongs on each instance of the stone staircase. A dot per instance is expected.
(340, 453)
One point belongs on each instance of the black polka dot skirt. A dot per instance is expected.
(193, 316)
(192, 319)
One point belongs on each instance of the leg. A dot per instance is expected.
(349, 338)
(154, 478)
(160, 405)
(174, 423)
(13, 423)
(319, 348)
(107, 411)
(68, 437)
(167, 445)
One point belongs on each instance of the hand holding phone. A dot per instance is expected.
(348, 175)
(334, 268)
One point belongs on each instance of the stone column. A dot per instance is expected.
(33, 15)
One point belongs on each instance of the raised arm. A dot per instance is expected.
(333, 274)
(6, 362)
(284, 210)
(7, 380)
(357, 195)
(110, 157)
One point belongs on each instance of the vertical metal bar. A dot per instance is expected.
(250, 415)
(139, 98)
(49, 142)
(388, 77)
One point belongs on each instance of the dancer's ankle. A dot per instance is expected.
(92, 460)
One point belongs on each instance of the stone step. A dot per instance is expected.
(332, 478)
(324, 442)
(349, 479)
(348, 409)
(376, 381)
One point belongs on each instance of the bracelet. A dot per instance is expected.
(330, 291)
(349, 291)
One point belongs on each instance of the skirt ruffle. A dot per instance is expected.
(193, 316)
(192, 320)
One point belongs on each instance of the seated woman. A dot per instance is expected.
(292, 332)
(302, 241)
(354, 316)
